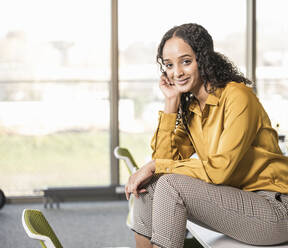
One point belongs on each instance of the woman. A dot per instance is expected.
(238, 184)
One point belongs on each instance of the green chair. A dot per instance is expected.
(37, 227)
(125, 155)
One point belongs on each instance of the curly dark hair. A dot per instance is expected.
(214, 68)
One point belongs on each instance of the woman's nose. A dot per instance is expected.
(178, 73)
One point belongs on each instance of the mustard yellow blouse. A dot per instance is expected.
(233, 139)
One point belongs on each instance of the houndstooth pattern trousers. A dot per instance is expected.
(257, 218)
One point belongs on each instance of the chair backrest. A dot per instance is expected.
(37, 227)
(123, 153)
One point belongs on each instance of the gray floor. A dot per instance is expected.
(77, 225)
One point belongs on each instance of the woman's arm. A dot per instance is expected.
(240, 122)
(161, 142)
(168, 142)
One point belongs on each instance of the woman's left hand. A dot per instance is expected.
(139, 179)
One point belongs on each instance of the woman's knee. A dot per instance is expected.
(168, 188)
(167, 180)
(179, 182)
(181, 188)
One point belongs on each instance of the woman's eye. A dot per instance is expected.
(168, 66)
(187, 62)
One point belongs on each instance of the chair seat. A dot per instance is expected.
(208, 238)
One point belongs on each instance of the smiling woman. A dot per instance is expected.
(138, 72)
(239, 177)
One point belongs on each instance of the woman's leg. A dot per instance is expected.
(142, 216)
(142, 241)
(254, 218)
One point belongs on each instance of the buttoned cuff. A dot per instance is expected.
(167, 122)
(164, 165)
(168, 165)
(188, 167)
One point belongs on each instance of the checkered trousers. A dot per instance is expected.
(257, 218)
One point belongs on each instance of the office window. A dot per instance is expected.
(140, 31)
(272, 61)
(54, 94)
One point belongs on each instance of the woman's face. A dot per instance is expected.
(181, 66)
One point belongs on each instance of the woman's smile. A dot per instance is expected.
(182, 81)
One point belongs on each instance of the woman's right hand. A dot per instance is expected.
(171, 94)
(137, 181)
